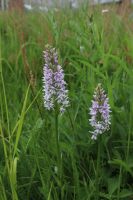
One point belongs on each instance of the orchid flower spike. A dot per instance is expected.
(54, 85)
(100, 113)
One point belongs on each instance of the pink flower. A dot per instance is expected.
(100, 112)
(54, 85)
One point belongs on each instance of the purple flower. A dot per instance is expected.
(100, 112)
(54, 86)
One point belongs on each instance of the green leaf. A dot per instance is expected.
(126, 193)
(123, 164)
(112, 185)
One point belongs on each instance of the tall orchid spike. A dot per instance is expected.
(100, 112)
(54, 85)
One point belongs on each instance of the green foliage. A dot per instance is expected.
(94, 48)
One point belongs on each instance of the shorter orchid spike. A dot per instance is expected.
(100, 112)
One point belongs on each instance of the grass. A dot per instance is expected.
(94, 48)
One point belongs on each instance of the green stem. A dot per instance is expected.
(57, 142)
(98, 170)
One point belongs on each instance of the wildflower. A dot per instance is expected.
(100, 112)
(54, 84)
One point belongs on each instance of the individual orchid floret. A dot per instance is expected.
(100, 112)
(54, 85)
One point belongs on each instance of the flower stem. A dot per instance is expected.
(57, 142)
(98, 170)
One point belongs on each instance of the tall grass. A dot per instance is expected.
(93, 48)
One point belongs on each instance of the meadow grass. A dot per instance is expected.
(94, 48)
